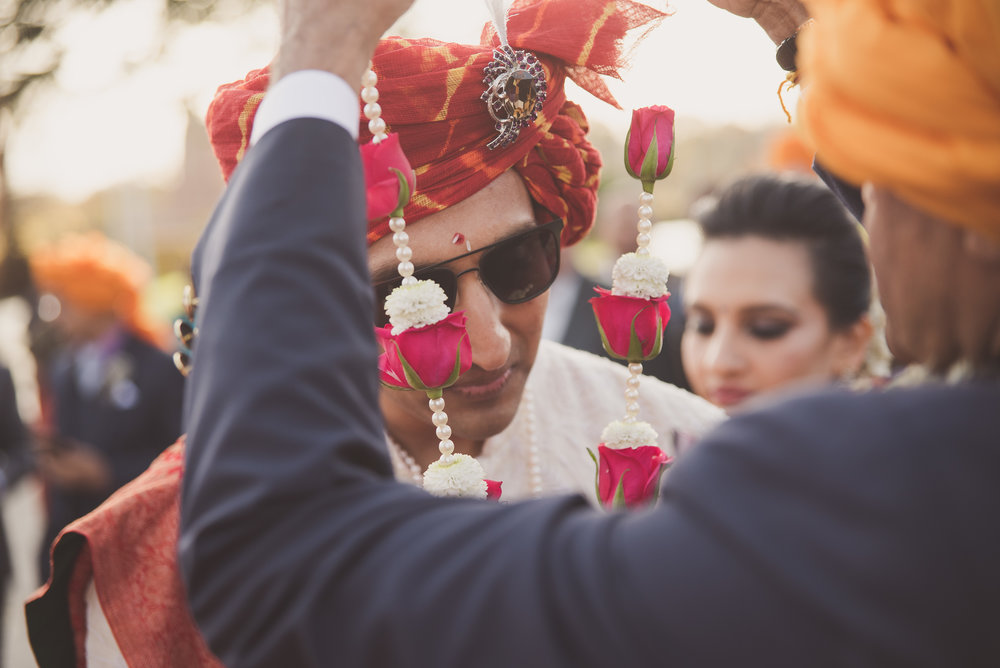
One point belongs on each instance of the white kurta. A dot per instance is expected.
(574, 395)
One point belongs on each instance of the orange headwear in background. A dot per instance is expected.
(787, 151)
(96, 275)
(430, 95)
(906, 94)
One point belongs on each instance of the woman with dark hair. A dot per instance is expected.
(780, 294)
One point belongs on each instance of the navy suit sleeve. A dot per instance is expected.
(298, 548)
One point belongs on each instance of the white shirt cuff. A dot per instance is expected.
(308, 94)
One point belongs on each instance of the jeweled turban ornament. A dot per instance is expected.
(515, 92)
(515, 84)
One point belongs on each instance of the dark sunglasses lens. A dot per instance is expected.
(441, 276)
(522, 268)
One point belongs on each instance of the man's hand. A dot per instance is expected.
(338, 36)
(73, 466)
(778, 18)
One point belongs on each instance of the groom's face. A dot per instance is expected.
(504, 336)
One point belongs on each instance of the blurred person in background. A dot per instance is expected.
(14, 462)
(780, 294)
(787, 152)
(569, 317)
(111, 398)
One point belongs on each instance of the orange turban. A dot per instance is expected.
(906, 94)
(787, 151)
(96, 275)
(430, 95)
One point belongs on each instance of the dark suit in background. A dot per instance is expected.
(836, 530)
(14, 463)
(130, 419)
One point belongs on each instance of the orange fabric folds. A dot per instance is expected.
(430, 95)
(906, 94)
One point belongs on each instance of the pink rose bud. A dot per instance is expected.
(629, 477)
(649, 145)
(425, 358)
(631, 328)
(389, 179)
(493, 490)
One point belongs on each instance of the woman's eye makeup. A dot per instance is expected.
(700, 325)
(768, 329)
(760, 327)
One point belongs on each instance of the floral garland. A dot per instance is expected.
(631, 318)
(424, 347)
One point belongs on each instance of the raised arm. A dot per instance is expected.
(778, 18)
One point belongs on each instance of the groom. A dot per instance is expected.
(501, 201)
(838, 530)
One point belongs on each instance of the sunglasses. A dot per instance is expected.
(516, 269)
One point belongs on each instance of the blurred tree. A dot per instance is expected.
(30, 56)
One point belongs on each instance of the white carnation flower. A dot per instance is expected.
(642, 276)
(416, 305)
(458, 475)
(621, 434)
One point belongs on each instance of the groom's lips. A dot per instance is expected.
(485, 387)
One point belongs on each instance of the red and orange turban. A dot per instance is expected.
(430, 95)
(96, 275)
(906, 94)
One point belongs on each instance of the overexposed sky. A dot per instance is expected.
(115, 118)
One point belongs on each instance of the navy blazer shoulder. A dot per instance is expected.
(835, 530)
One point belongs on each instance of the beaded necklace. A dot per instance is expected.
(416, 473)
